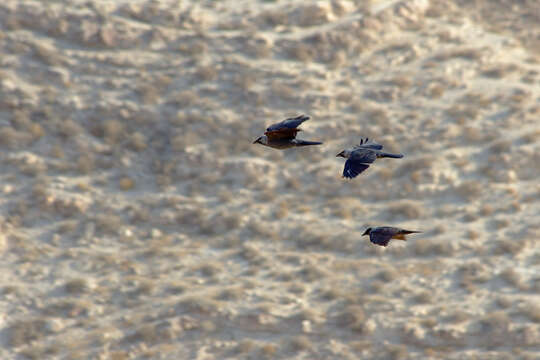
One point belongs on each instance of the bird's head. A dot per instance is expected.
(342, 154)
(367, 232)
(263, 140)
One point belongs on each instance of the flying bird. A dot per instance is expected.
(282, 135)
(383, 234)
(361, 156)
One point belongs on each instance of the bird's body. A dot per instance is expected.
(282, 135)
(383, 234)
(287, 143)
(361, 156)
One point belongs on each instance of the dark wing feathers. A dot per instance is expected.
(363, 155)
(290, 123)
(390, 230)
(379, 239)
(364, 143)
(373, 146)
(382, 235)
(358, 162)
(353, 168)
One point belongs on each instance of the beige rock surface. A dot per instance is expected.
(139, 221)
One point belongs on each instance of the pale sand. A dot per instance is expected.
(139, 221)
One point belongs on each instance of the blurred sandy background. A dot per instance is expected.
(138, 220)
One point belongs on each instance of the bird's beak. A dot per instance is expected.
(340, 154)
(256, 141)
(365, 233)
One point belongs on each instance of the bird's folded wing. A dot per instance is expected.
(388, 230)
(353, 168)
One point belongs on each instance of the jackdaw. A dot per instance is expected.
(383, 234)
(360, 156)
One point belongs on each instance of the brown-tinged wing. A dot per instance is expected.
(286, 129)
(284, 133)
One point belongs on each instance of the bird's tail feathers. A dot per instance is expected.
(409, 232)
(305, 142)
(300, 117)
(402, 233)
(388, 155)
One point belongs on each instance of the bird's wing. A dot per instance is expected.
(281, 134)
(286, 129)
(363, 155)
(366, 144)
(290, 123)
(353, 168)
(373, 146)
(381, 236)
(389, 230)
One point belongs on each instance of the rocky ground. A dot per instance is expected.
(139, 221)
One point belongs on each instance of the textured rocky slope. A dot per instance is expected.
(138, 220)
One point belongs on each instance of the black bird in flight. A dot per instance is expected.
(383, 234)
(359, 157)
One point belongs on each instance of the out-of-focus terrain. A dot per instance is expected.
(138, 220)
